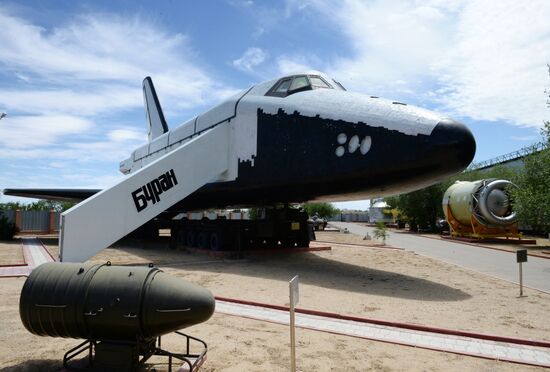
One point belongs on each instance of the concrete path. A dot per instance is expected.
(471, 346)
(35, 253)
(536, 272)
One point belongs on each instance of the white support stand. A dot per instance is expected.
(113, 213)
(521, 279)
(294, 298)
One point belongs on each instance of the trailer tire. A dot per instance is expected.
(202, 240)
(216, 243)
(180, 236)
(302, 242)
(190, 238)
(287, 243)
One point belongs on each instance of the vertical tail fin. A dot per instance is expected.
(156, 124)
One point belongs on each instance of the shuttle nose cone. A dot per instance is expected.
(454, 143)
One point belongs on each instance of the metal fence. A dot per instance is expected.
(350, 217)
(57, 221)
(34, 221)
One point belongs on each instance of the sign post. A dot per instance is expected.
(521, 257)
(294, 298)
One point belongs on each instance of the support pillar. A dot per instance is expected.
(53, 214)
(18, 219)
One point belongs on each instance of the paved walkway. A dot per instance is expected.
(471, 346)
(34, 254)
(536, 272)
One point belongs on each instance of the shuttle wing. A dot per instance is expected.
(53, 194)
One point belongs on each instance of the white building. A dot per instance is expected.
(380, 211)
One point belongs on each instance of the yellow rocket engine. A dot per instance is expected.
(480, 209)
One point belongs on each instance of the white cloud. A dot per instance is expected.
(58, 164)
(55, 178)
(289, 65)
(99, 46)
(95, 152)
(486, 59)
(98, 61)
(392, 42)
(92, 180)
(524, 138)
(125, 134)
(84, 102)
(74, 81)
(251, 58)
(497, 68)
(26, 132)
(108, 150)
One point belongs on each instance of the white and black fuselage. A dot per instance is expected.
(318, 144)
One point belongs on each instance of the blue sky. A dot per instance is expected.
(71, 72)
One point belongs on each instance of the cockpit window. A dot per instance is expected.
(318, 82)
(340, 85)
(283, 86)
(298, 83)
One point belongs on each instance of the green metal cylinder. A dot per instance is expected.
(104, 302)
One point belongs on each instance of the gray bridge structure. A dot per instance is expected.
(512, 159)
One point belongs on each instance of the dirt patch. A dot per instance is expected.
(11, 253)
(345, 238)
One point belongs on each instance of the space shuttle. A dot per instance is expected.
(300, 137)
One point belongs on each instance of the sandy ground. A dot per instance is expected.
(362, 281)
(346, 238)
(11, 253)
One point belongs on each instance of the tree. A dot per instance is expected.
(48, 205)
(40, 205)
(11, 206)
(255, 213)
(421, 208)
(323, 210)
(532, 197)
(499, 171)
(62, 206)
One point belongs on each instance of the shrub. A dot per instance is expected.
(7, 228)
(380, 231)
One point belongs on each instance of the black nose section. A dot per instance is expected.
(453, 142)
